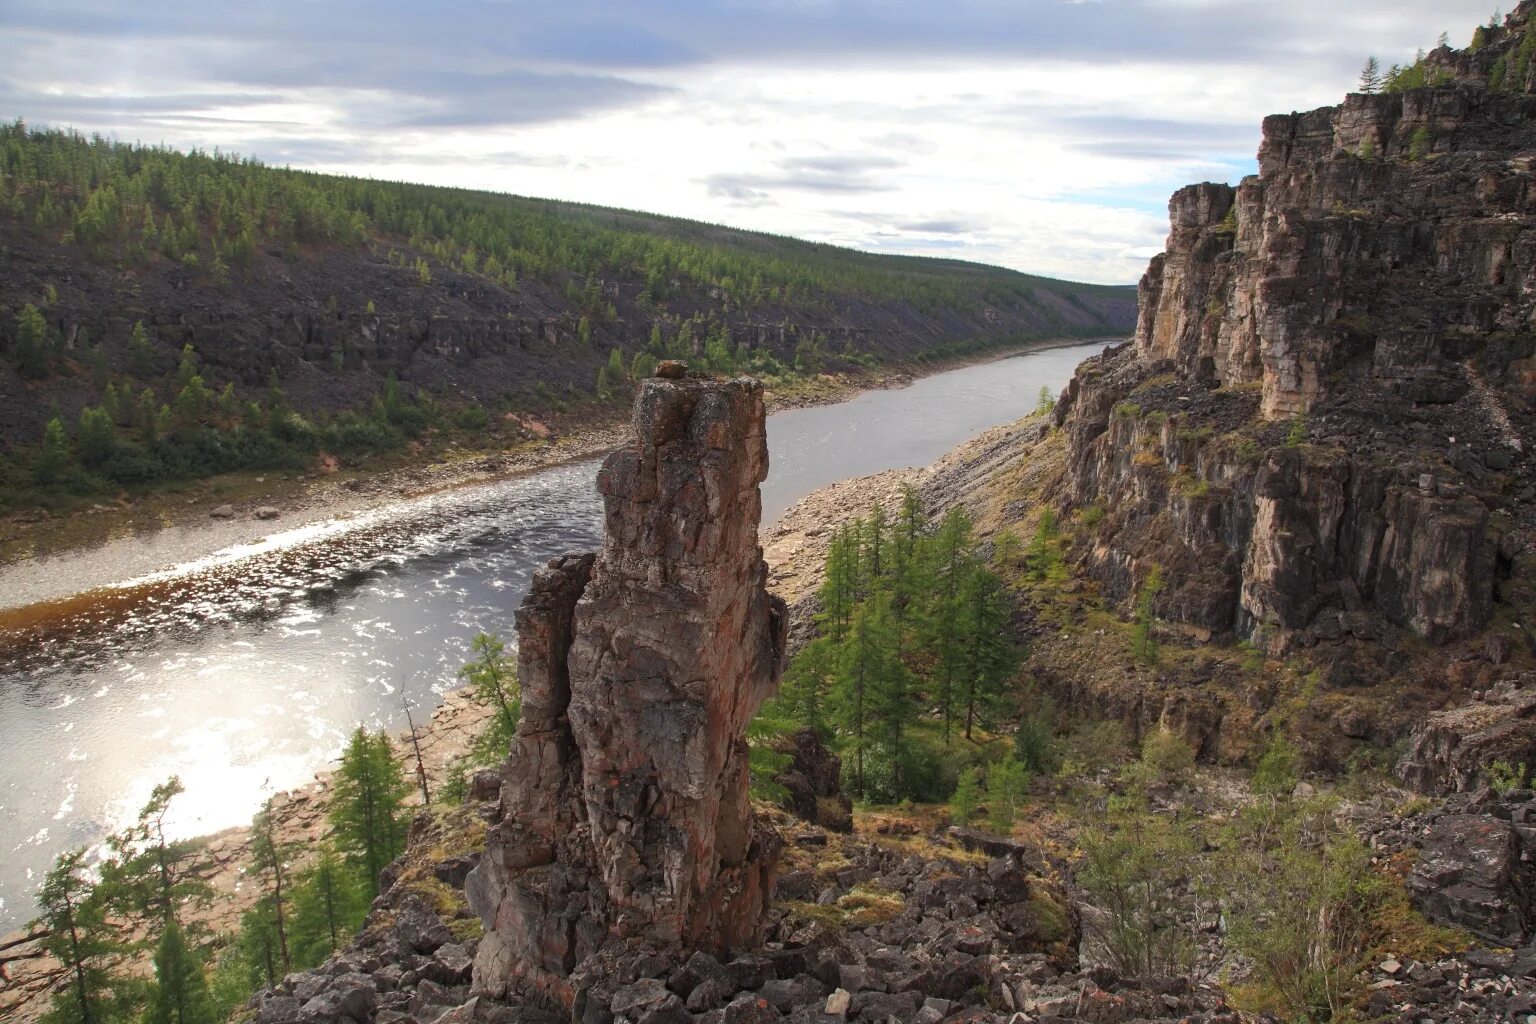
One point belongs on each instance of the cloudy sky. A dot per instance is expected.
(1043, 135)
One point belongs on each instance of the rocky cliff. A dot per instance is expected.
(624, 813)
(1323, 426)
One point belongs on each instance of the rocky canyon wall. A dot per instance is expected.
(624, 815)
(1323, 426)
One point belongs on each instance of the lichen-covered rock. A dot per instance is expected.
(624, 807)
(1469, 874)
(1453, 749)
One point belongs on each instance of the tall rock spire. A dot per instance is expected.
(624, 810)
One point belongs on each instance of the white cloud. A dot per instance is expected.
(997, 133)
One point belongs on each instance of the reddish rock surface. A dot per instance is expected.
(624, 814)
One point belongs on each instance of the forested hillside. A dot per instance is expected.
(180, 314)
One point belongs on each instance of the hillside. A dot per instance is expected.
(311, 294)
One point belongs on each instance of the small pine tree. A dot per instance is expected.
(366, 807)
(326, 908)
(79, 938)
(1418, 146)
(615, 365)
(141, 352)
(603, 391)
(1370, 75)
(179, 993)
(966, 798)
(1144, 645)
(269, 862)
(494, 676)
(150, 876)
(1044, 403)
(1007, 781)
(33, 343)
(1296, 435)
(96, 440)
(53, 456)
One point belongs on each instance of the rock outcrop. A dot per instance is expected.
(624, 815)
(1324, 426)
(1453, 749)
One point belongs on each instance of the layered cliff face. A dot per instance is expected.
(1322, 429)
(624, 812)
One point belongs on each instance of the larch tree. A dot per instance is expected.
(367, 815)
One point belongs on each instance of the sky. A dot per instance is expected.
(1042, 135)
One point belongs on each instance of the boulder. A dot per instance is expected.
(1469, 874)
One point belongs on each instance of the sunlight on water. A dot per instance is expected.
(243, 671)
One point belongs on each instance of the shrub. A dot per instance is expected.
(1134, 870)
(966, 798)
(1166, 753)
(1006, 782)
(1503, 776)
(1276, 773)
(1144, 645)
(1094, 745)
(1304, 909)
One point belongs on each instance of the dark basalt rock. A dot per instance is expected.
(813, 779)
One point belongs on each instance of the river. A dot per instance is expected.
(243, 672)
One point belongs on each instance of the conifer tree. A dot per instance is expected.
(989, 655)
(326, 908)
(141, 352)
(79, 938)
(838, 592)
(53, 457)
(966, 798)
(150, 876)
(1370, 75)
(494, 676)
(871, 685)
(96, 439)
(179, 993)
(951, 563)
(269, 861)
(367, 814)
(33, 342)
(892, 698)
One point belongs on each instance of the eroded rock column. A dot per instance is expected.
(624, 809)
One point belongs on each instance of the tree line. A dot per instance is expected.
(144, 894)
(914, 654)
(151, 424)
(136, 203)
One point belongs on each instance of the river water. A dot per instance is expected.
(244, 672)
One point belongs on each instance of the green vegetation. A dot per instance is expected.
(1144, 645)
(915, 650)
(366, 809)
(139, 203)
(99, 917)
(204, 217)
(1503, 776)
